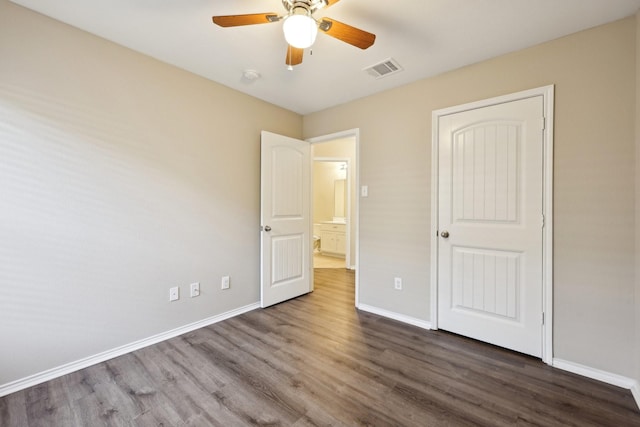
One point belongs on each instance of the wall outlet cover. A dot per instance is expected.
(174, 294)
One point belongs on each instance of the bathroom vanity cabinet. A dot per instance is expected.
(333, 239)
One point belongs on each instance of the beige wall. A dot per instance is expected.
(324, 176)
(120, 177)
(593, 202)
(344, 148)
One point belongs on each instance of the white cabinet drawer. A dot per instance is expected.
(335, 228)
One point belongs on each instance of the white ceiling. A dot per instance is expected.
(426, 37)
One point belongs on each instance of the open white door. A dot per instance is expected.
(285, 218)
(490, 224)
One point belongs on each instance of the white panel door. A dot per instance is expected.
(490, 224)
(285, 218)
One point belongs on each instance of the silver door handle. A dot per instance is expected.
(267, 228)
(444, 234)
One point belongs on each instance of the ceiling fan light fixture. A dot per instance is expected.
(300, 30)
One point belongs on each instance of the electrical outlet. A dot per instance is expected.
(397, 283)
(364, 191)
(195, 289)
(174, 294)
(225, 282)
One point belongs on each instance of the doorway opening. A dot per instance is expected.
(331, 210)
(334, 210)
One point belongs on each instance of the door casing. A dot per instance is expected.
(547, 92)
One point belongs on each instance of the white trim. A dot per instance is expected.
(595, 374)
(355, 204)
(635, 391)
(424, 324)
(435, 174)
(67, 368)
(547, 92)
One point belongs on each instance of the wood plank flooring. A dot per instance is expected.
(316, 361)
(325, 261)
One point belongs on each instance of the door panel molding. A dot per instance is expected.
(547, 93)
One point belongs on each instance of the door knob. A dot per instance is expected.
(267, 228)
(444, 234)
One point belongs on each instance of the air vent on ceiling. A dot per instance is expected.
(384, 68)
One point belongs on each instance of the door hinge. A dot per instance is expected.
(543, 317)
(542, 220)
(544, 123)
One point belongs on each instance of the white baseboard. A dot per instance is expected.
(23, 383)
(396, 316)
(597, 374)
(67, 368)
(635, 391)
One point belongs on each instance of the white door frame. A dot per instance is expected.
(547, 93)
(354, 204)
(348, 182)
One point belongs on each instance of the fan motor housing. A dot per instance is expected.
(308, 6)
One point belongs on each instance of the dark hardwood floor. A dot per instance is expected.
(316, 361)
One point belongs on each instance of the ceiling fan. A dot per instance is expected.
(300, 27)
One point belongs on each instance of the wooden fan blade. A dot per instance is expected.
(348, 34)
(331, 2)
(294, 55)
(249, 19)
